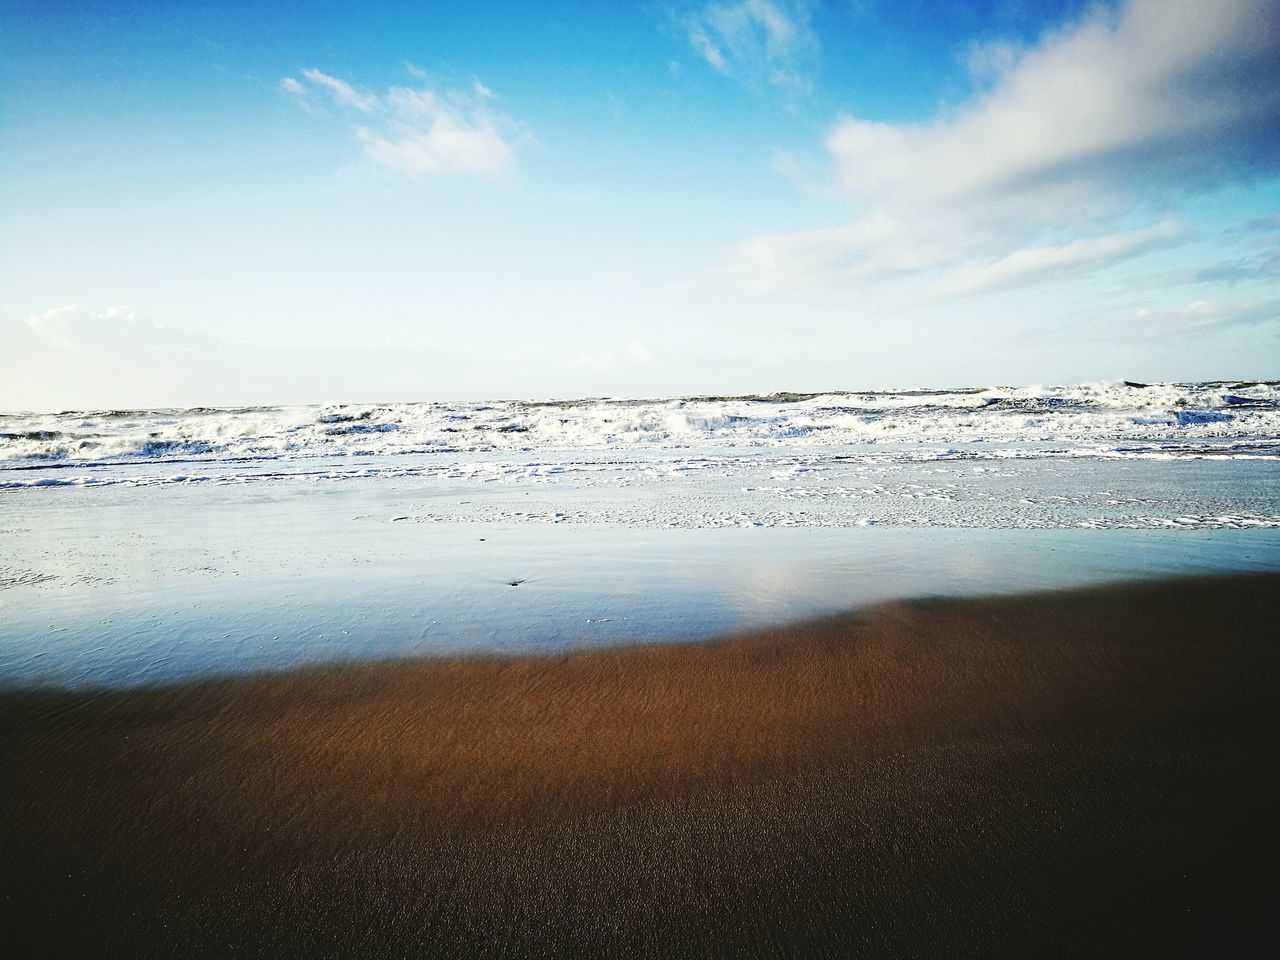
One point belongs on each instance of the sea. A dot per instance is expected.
(153, 546)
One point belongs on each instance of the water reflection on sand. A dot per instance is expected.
(106, 587)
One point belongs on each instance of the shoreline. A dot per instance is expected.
(1085, 770)
(97, 608)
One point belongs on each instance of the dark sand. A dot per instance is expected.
(1083, 773)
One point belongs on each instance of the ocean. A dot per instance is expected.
(157, 545)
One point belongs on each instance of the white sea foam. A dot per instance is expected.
(973, 457)
(1093, 419)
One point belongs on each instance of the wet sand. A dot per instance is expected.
(1081, 773)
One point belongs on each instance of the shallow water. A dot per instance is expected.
(123, 585)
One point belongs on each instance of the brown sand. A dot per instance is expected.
(1081, 773)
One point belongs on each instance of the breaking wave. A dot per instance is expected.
(1122, 419)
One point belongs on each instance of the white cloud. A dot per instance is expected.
(440, 135)
(342, 92)
(1123, 110)
(1163, 87)
(71, 328)
(1033, 264)
(423, 131)
(69, 357)
(879, 246)
(762, 43)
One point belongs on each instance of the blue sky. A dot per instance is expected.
(314, 202)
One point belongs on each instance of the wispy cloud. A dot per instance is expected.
(342, 92)
(1192, 319)
(421, 131)
(1240, 270)
(1034, 264)
(634, 354)
(70, 327)
(1122, 110)
(761, 43)
(70, 356)
(434, 134)
(1265, 226)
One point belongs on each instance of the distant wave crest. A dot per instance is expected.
(1229, 419)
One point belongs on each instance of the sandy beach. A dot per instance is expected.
(1078, 773)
